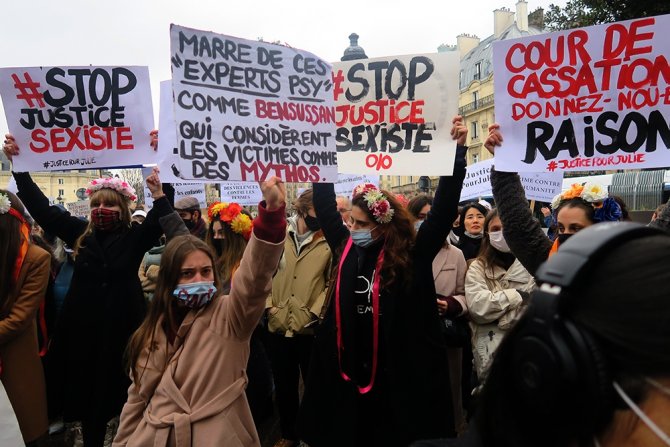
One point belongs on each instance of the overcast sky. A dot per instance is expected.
(136, 32)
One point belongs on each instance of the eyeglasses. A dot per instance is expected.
(343, 210)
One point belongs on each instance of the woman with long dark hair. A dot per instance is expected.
(227, 235)
(472, 223)
(379, 372)
(497, 288)
(24, 275)
(187, 360)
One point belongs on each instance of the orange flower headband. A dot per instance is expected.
(231, 213)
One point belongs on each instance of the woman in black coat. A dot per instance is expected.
(379, 375)
(104, 304)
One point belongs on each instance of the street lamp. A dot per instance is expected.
(424, 184)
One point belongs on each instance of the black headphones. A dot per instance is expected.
(559, 370)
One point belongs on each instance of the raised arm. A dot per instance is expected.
(252, 281)
(436, 227)
(522, 231)
(152, 229)
(329, 218)
(53, 219)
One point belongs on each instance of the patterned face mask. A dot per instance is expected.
(196, 294)
(105, 219)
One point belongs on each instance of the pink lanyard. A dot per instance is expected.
(375, 318)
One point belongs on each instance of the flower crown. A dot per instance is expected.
(231, 213)
(589, 192)
(607, 209)
(118, 185)
(376, 201)
(5, 204)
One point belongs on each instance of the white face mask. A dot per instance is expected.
(498, 241)
(638, 411)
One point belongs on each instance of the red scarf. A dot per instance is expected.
(375, 318)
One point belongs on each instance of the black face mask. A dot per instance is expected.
(312, 223)
(563, 237)
(218, 246)
(189, 223)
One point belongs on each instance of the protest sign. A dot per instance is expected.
(82, 208)
(542, 186)
(347, 182)
(11, 185)
(248, 110)
(537, 186)
(67, 118)
(477, 182)
(167, 137)
(244, 193)
(196, 190)
(595, 98)
(394, 114)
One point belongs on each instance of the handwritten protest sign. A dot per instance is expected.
(585, 99)
(477, 182)
(82, 208)
(78, 117)
(180, 190)
(347, 182)
(167, 137)
(394, 114)
(248, 110)
(537, 186)
(244, 193)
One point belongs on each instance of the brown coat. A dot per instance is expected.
(199, 398)
(22, 374)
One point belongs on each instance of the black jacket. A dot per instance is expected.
(412, 388)
(522, 231)
(469, 246)
(102, 308)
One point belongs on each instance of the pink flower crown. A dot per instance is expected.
(376, 201)
(118, 185)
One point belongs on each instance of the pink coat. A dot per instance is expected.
(449, 269)
(199, 398)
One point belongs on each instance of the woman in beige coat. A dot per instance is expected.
(24, 274)
(189, 356)
(497, 288)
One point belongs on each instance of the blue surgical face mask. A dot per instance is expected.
(196, 294)
(417, 225)
(362, 238)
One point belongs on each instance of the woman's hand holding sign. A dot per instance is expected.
(494, 139)
(459, 131)
(10, 148)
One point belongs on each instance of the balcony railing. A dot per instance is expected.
(475, 105)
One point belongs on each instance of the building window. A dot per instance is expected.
(478, 70)
(474, 132)
(61, 193)
(475, 158)
(460, 78)
(61, 181)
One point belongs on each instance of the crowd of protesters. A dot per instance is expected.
(364, 320)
